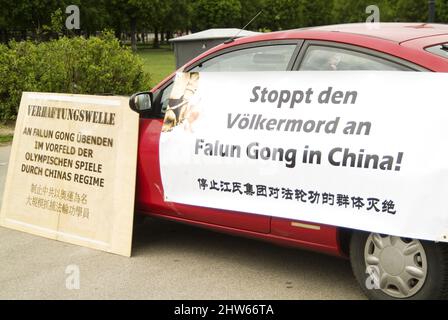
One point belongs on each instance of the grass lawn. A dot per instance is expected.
(5, 139)
(160, 63)
(6, 132)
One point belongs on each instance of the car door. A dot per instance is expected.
(259, 56)
(329, 56)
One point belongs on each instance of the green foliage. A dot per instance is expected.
(98, 65)
(281, 15)
(30, 15)
(37, 18)
(347, 11)
(6, 138)
(442, 11)
(216, 14)
(159, 62)
(56, 23)
(310, 8)
(416, 10)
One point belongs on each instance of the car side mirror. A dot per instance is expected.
(141, 102)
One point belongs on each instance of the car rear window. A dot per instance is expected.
(326, 58)
(440, 50)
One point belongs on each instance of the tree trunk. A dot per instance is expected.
(118, 34)
(169, 35)
(134, 34)
(3, 36)
(156, 43)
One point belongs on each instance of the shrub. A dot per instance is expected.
(97, 65)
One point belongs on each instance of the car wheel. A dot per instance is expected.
(389, 267)
(139, 219)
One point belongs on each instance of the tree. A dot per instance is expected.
(177, 17)
(317, 12)
(412, 11)
(350, 11)
(281, 14)
(442, 11)
(4, 22)
(216, 14)
(126, 14)
(95, 15)
(156, 14)
(32, 15)
(249, 9)
(42, 18)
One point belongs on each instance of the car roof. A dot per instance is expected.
(404, 40)
(396, 32)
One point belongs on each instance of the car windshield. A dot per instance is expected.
(440, 50)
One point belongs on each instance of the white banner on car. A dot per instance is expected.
(362, 150)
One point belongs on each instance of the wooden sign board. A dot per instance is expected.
(72, 170)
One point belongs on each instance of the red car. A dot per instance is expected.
(405, 268)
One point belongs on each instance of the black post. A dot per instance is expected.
(432, 10)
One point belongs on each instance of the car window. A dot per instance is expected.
(440, 50)
(265, 58)
(324, 58)
(165, 96)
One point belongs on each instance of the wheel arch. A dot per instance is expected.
(344, 237)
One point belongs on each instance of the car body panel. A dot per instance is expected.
(423, 43)
(331, 246)
(150, 196)
(397, 32)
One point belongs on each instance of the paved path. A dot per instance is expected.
(170, 261)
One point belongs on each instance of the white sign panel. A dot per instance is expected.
(71, 174)
(363, 150)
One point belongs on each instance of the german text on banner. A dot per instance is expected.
(362, 150)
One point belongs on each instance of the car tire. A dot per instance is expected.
(139, 219)
(393, 268)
